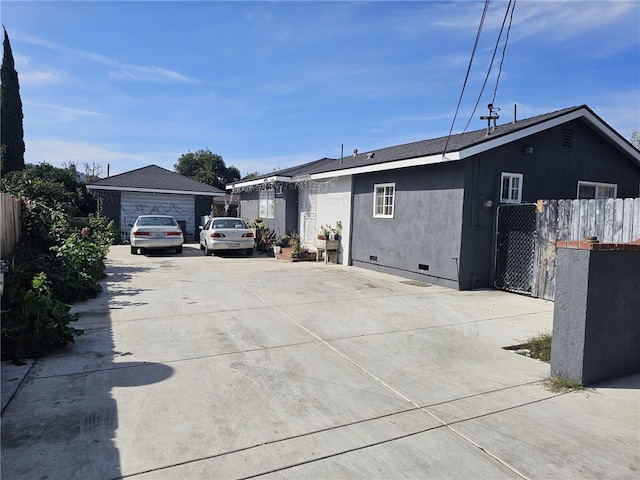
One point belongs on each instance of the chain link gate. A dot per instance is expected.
(515, 247)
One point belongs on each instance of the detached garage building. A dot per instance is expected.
(154, 190)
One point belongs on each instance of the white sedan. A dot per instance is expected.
(226, 234)
(155, 232)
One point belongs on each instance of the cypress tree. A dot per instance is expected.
(12, 133)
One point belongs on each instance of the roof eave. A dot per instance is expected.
(153, 190)
(259, 181)
(391, 165)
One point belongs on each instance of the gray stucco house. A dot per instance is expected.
(426, 213)
(152, 189)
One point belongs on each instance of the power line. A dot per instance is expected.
(466, 78)
(504, 50)
(486, 78)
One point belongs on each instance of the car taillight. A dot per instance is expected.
(173, 234)
(217, 235)
(248, 235)
(141, 233)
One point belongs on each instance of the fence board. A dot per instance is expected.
(10, 223)
(611, 220)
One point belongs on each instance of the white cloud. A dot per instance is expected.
(147, 73)
(38, 78)
(556, 19)
(122, 71)
(58, 152)
(563, 19)
(65, 114)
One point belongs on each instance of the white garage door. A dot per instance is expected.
(134, 204)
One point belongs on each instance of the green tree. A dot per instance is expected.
(635, 138)
(252, 175)
(51, 186)
(206, 167)
(12, 136)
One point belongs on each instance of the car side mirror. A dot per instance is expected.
(201, 227)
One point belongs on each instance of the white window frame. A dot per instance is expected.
(266, 203)
(384, 199)
(597, 186)
(514, 188)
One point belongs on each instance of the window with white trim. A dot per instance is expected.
(383, 200)
(511, 187)
(589, 190)
(266, 203)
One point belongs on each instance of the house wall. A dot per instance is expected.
(285, 211)
(326, 205)
(426, 228)
(552, 171)
(110, 209)
(249, 208)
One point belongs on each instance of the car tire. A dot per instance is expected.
(201, 247)
(207, 252)
(134, 250)
(249, 252)
(179, 249)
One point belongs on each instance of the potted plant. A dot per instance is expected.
(326, 232)
(277, 247)
(337, 232)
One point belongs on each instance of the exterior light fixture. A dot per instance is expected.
(488, 203)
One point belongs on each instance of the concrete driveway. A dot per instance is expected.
(233, 367)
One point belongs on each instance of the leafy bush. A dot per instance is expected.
(36, 323)
(55, 265)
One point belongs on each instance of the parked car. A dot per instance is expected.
(226, 234)
(155, 232)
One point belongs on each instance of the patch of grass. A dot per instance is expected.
(562, 385)
(540, 347)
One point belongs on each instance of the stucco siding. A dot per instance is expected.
(326, 204)
(422, 240)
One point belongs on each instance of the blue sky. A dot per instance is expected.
(270, 85)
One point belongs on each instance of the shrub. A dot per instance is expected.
(55, 266)
(35, 323)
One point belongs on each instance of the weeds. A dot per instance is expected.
(562, 385)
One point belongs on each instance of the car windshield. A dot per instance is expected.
(156, 221)
(229, 223)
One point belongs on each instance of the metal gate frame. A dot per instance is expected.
(515, 247)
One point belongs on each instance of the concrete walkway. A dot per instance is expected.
(196, 367)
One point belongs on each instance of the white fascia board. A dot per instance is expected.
(259, 181)
(379, 167)
(277, 178)
(520, 134)
(245, 184)
(613, 136)
(151, 190)
(583, 113)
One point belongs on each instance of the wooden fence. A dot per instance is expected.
(10, 223)
(612, 220)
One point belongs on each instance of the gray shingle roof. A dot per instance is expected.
(436, 146)
(422, 148)
(156, 178)
(297, 170)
